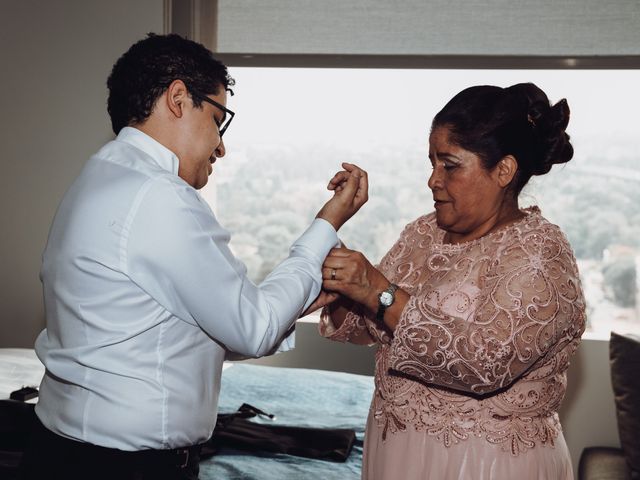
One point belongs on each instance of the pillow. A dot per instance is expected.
(624, 354)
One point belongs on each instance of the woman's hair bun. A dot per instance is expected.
(548, 123)
(550, 137)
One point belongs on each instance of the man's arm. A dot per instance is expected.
(179, 254)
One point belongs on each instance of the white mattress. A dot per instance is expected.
(19, 367)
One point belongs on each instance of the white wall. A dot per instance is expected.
(588, 413)
(54, 59)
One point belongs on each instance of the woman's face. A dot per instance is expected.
(467, 197)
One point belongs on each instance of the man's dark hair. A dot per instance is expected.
(145, 71)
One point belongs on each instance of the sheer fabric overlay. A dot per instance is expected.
(482, 347)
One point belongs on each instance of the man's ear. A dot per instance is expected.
(176, 97)
(505, 170)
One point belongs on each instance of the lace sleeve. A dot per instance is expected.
(357, 327)
(531, 306)
(353, 328)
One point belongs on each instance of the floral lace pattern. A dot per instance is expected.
(483, 345)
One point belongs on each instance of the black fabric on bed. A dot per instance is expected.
(297, 397)
(236, 430)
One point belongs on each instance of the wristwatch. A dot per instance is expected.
(385, 300)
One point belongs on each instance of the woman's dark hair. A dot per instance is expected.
(145, 71)
(494, 122)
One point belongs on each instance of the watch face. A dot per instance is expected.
(386, 298)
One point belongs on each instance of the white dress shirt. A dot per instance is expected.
(144, 299)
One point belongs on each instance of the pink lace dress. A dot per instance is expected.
(469, 384)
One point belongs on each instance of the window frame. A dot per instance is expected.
(507, 62)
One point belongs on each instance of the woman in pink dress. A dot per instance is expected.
(477, 308)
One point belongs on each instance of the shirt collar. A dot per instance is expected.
(161, 155)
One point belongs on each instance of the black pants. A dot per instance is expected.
(50, 456)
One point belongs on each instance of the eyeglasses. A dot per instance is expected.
(226, 118)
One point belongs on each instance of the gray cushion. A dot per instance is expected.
(624, 353)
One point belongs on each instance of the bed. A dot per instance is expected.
(296, 396)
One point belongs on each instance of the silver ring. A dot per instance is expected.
(333, 274)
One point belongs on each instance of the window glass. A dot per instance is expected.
(294, 126)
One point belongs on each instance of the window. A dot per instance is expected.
(295, 125)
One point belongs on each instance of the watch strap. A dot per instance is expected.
(383, 308)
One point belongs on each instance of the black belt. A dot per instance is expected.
(178, 457)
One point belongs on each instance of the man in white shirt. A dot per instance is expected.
(143, 298)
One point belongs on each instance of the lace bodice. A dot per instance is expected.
(483, 344)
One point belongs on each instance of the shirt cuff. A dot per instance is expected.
(319, 238)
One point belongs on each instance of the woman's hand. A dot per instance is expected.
(349, 273)
(351, 191)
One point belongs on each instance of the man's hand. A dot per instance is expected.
(351, 191)
(325, 298)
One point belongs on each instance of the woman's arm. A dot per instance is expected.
(350, 275)
(531, 306)
(353, 318)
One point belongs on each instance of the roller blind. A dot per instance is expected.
(436, 27)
